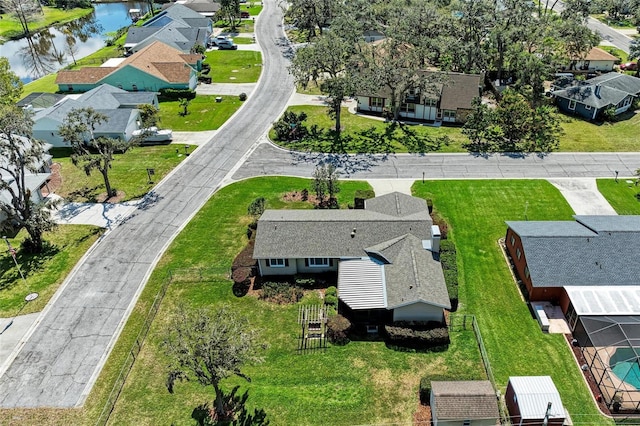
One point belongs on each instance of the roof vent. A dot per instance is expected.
(353, 233)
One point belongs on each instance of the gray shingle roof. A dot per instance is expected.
(601, 254)
(614, 87)
(413, 275)
(40, 100)
(117, 120)
(464, 400)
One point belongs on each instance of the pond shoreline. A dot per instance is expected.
(8, 34)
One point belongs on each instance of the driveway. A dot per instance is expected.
(583, 196)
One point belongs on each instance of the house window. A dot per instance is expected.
(526, 271)
(317, 262)
(134, 87)
(412, 96)
(376, 102)
(70, 87)
(408, 108)
(431, 102)
(448, 113)
(587, 107)
(627, 101)
(518, 254)
(513, 240)
(572, 105)
(466, 423)
(277, 263)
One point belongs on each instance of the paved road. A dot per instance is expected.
(607, 33)
(270, 160)
(64, 355)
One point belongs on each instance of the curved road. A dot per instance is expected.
(74, 335)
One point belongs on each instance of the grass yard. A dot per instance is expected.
(204, 113)
(621, 195)
(234, 66)
(128, 172)
(243, 40)
(362, 381)
(45, 84)
(354, 124)
(624, 56)
(44, 272)
(584, 136)
(476, 211)
(11, 28)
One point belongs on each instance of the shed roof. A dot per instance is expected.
(533, 394)
(464, 400)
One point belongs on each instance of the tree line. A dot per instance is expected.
(510, 41)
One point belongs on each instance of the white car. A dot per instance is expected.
(223, 39)
(153, 134)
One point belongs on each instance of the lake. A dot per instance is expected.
(54, 48)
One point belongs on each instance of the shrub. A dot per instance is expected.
(176, 94)
(305, 194)
(430, 205)
(280, 292)
(609, 114)
(337, 328)
(415, 338)
(331, 300)
(450, 270)
(242, 96)
(304, 281)
(241, 275)
(291, 126)
(442, 224)
(331, 291)
(256, 208)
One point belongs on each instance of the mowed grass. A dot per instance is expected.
(45, 84)
(621, 195)
(10, 27)
(476, 211)
(362, 382)
(43, 272)
(579, 135)
(234, 66)
(204, 113)
(128, 172)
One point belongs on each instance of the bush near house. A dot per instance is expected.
(361, 196)
(280, 292)
(176, 94)
(337, 329)
(450, 270)
(417, 335)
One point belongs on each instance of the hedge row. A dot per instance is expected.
(411, 337)
(176, 94)
(450, 270)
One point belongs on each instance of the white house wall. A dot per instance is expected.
(418, 311)
(596, 65)
(46, 129)
(315, 269)
(286, 270)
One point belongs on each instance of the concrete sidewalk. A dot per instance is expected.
(104, 215)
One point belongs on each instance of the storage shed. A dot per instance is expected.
(464, 403)
(532, 400)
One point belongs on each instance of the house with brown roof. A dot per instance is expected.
(449, 101)
(595, 60)
(155, 67)
(459, 403)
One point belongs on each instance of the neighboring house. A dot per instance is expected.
(595, 60)
(450, 101)
(176, 26)
(591, 97)
(157, 66)
(372, 35)
(464, 403)
(586, 265)
(34, 182)
(385, 255)
(206, 8)
(534, 401)
(39, 100)
(118, 105)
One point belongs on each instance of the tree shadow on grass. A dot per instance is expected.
(236, 412)
(29, 264)
(85, 194)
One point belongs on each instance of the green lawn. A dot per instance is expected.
(204, 113)
(579, 135)
(234, 66)
(362, 380)
(45, 84)
(128, 172)
(243, 40)
(624, 57)
(621, 195)
(476, 211)
(43, 272)
(11, 28)
(354, 124)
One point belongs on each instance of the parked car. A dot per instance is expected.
(227, 45)
(629, 66)
(153, 135)
(244, 14)
(221, 38)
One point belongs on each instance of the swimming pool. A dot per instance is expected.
(624, 364)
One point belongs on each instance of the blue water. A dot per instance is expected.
(626, 367)
(48, 51)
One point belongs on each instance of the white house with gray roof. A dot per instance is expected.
(118, 105)
(385, 255)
